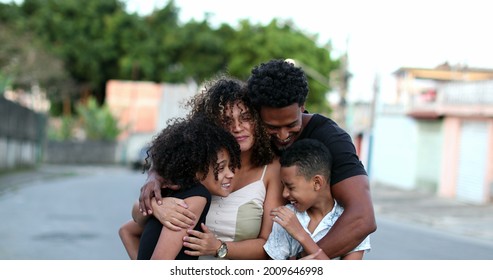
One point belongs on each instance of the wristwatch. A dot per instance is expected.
(222, 251)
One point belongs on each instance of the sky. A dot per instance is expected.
(379, 36)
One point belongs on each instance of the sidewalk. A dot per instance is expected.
(475, 221)
(449, 215)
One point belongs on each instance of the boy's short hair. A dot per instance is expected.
(311, 156)
(277, 83)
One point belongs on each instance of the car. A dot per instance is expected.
(141, 160)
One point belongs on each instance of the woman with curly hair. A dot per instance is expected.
(237, 226)
(204, 158)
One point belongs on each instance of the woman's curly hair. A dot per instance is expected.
(224, 92)
(277, 83)
(188, 146)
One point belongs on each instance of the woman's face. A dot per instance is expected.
(240, 124)
(221, 186)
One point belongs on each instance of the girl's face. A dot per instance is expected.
(240, 124)
(221, 186)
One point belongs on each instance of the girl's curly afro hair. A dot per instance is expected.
(222, 93)
(188, 146)
(277, 83)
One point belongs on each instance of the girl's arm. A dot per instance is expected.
(170, 241)
(130, 233)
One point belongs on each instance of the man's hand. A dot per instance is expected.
(173, 214)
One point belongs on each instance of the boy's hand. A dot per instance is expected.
(288, 220)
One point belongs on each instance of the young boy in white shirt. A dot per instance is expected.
(312, 211)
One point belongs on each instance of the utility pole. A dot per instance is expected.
(340, 84)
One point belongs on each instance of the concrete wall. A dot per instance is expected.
(394, 151)
(73, 152)
(21, 135)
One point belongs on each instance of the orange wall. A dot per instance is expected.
(450, 158)
(135, 104)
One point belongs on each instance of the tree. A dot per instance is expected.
(25, 63)
(97, 40)
(254, 44)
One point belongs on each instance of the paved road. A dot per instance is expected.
(71, 212)
(60, 216)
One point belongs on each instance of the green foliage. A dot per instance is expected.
(65, 130)
(97, 121)
(97, 40)
(94, 121)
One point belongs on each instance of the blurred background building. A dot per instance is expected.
(434, 133)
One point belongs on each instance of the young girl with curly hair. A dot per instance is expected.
(203, 159)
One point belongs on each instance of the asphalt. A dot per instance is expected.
(408, 206)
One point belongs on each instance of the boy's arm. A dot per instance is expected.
(357, 255)
(130, 233)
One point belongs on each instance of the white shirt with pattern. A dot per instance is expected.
(281, 245)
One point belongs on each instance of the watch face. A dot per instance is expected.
(223, 250)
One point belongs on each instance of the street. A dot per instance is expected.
(76, 216)
(70, 217)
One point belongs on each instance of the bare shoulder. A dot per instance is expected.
(273, 169)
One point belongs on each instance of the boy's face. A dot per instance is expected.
(300, 192)
(283, 124)
(221, 186)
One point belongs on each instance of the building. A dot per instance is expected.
(142, 109)
(435, 133)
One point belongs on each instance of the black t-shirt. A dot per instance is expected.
(345, 161)
(153, 227)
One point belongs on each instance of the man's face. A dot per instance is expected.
(283, 124)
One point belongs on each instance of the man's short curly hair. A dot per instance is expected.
(311, 157)
(277, 83)
(188, 146)
(224, 92)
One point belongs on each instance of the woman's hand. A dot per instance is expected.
(173, 214)
(202, 243)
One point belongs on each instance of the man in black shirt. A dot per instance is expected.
(278, 89)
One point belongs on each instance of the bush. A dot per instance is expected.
(92, 122)
(97, 121)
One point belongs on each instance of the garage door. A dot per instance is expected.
(472, 161)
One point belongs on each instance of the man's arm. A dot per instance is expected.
(356, 222)
(150, 189)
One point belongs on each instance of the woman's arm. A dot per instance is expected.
(205, 243)
(253, 248)
(170, 242)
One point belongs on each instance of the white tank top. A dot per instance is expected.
(238, 216)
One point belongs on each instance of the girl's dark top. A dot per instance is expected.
(345, 161)
(153, 227)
